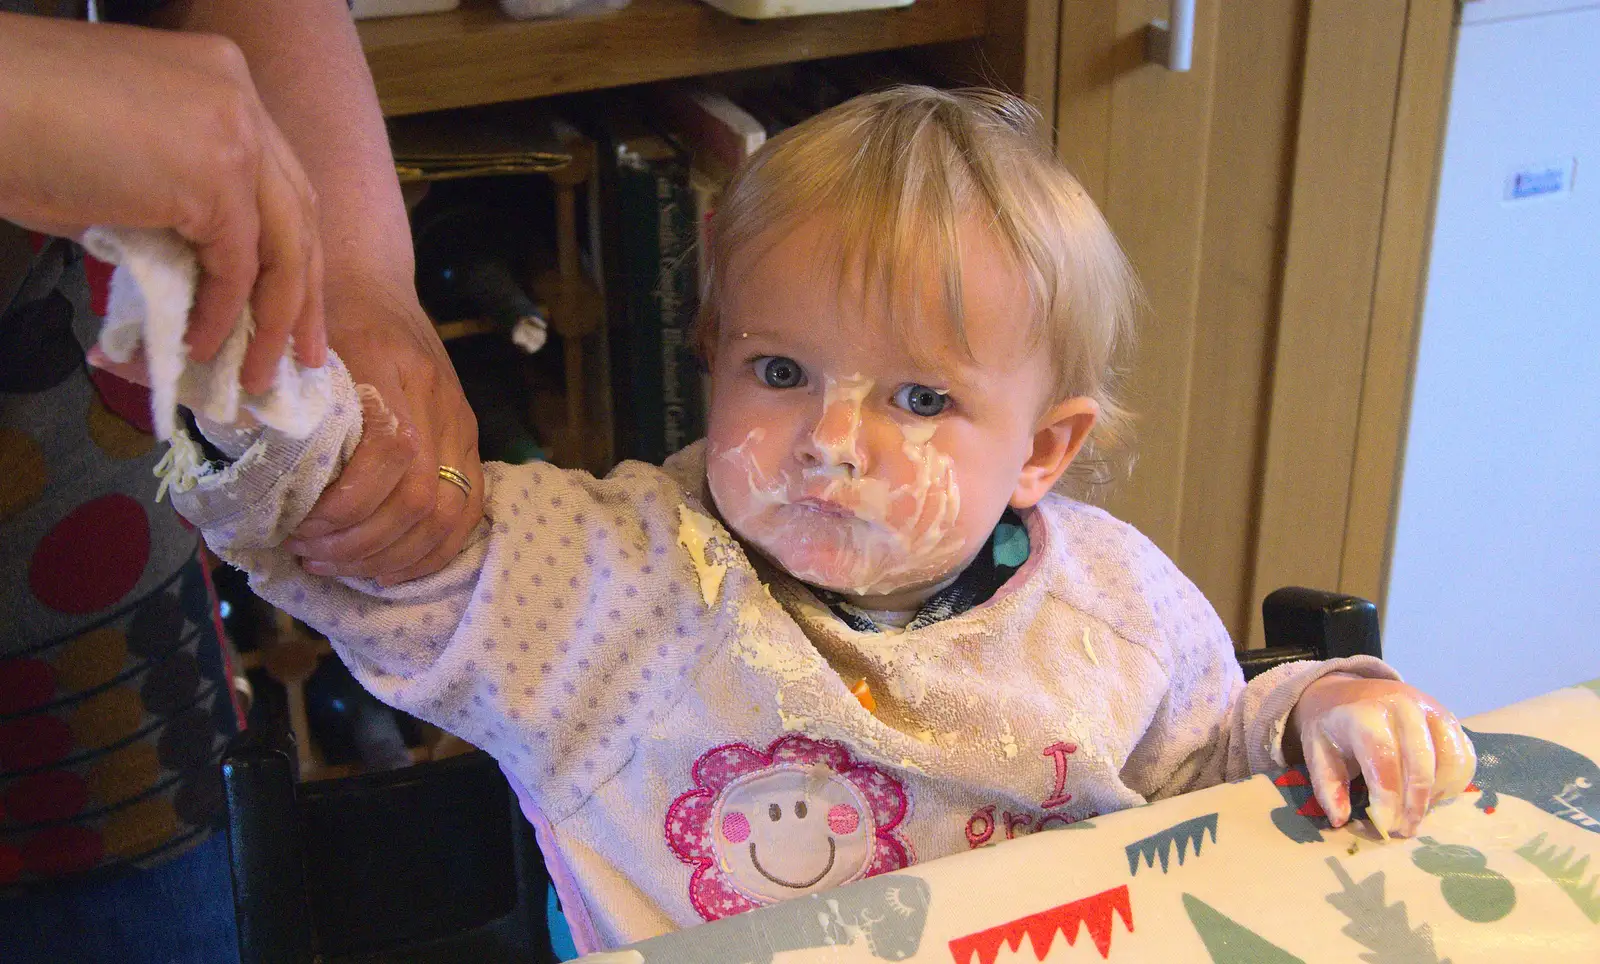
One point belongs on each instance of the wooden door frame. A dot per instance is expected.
(1415, 158)
(1348, 327)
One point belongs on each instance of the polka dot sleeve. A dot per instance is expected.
(570, 621)
(1210, 726)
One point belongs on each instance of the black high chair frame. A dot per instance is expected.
(434, 864)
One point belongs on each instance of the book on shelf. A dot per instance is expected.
(720, 136)
(650, 269)
(666, 154)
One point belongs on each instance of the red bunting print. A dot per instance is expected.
(1095, 913)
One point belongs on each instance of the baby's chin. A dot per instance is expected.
(835, 561)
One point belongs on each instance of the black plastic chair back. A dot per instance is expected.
(1312, 624)
(428, 864)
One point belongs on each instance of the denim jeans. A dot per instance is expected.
(179, 912)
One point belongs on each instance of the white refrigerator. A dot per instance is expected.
(1494, 587)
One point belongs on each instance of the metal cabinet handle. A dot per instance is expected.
(1170, 42)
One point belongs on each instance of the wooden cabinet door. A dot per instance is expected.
(1275, 200)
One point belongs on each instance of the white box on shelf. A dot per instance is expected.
(367, 9)
(769, 9)
(549, 9)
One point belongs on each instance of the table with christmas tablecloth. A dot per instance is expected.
(1245, 872)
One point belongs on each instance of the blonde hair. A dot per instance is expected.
(896, 171)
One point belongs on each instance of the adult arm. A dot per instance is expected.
(387, 516)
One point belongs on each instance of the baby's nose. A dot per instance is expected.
(836, 438)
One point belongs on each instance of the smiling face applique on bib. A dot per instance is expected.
(800, 818)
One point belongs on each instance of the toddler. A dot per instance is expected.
(856, 627)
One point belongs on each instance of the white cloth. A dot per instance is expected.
(152, 290)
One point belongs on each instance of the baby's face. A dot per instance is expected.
(853, 463)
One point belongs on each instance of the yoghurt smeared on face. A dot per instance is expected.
(859, 518)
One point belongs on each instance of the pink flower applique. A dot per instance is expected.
(800, 818)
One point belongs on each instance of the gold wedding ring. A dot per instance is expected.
(457, 478)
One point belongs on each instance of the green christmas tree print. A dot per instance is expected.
(1470, 888)
(1567, 873)
(1378, 926)
(1159, 845)
(1228, 941)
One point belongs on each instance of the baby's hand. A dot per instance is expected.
(1411, 750)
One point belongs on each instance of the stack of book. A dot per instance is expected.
(476, 142)
(666, 153)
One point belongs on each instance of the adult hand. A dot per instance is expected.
(1412, 751)
(389, 516)
(104, 124)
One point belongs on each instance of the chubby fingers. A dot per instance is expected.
(1458, 759)
(1330, 778)
(1411, 754)
(1437, 759)
(1342, 739)
(1363, 734)
(1418, 760)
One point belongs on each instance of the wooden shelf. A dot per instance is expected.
(475, 55)
(466, 328)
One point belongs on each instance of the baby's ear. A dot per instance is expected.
(1056, 442)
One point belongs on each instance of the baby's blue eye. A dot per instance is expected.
(779, 372)
(921, 400)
